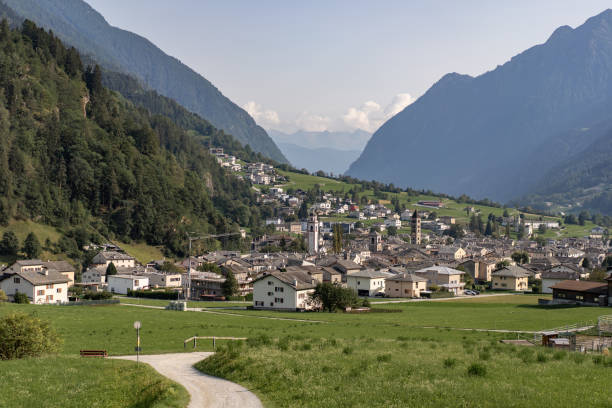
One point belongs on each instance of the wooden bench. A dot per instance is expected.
(94, 353)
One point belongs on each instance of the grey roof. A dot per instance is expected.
(296, 279)
(113, 256)
(560, 275)
(47, 277)
(513, 271)
(370, 273)
(407, 277)
(60, 266)
(442, 270)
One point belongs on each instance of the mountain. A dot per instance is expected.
(331, 152)
(77, 156)
(323, 158)
(355, 140)
(79, 25)
(477, 135)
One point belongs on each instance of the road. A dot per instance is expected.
(440, 299)
(205, 390)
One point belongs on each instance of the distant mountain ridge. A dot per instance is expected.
(77, 24)
(337, 140)
(478, 135)
(329, 160)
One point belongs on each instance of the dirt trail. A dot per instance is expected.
(205, 390)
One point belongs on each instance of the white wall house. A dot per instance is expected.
(164, 280)
(283, 291)
(118, 259)
(367, 282)
(41, 287)
(94, 275)
(121, 283)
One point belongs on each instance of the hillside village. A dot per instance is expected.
(367, 247)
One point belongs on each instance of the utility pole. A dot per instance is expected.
(191, 239)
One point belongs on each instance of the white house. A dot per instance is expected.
(122, 283)
(43, 286)
(94, 275)
(164, 280)
(283, 291)
(367, 282)
(393, 222)
(119, 259)
(554, 276)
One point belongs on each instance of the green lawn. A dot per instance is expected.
(399, 355)
(70, 381)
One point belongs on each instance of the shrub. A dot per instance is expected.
(541, 358)
(476, 370)
(23, 335)
(347, 350)
(91, 295)
(450, 362)
(21, 298)
(3, 297)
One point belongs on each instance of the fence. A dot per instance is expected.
(214, 340)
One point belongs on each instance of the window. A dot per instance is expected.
(16, 280)
(270, 283)
(59, 290)
(136, 283)
(40, 293)
(50, 286)
(270, 293)
(278, 300)
(49, 297)
(279, 289)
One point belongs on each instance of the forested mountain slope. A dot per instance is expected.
(74, 154)
(79, 25)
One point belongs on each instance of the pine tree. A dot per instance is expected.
(111, 269)
(31, 246)
(230, 286)
(9, 244)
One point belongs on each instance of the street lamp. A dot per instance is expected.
(137, 327)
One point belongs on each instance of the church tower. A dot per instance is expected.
(415, 225)
(375, 242)
(313, 233)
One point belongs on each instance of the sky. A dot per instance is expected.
(340, 64)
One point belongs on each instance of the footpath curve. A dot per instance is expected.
(205, 390)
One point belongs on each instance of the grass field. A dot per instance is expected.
(142, 252)
(377, 359)
(72, 382)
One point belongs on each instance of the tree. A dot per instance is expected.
(489, 229)
(230, 286)
(111, 269)
(520, 234)
(337, 238)
(331, 297)
(9, 244)
(505, 214)
(598, 275)
(303, 211)
(456, 231)
(607, 262)
(23, 335)
(502, 264)
(21, 298)
(392, 230)
(586, 263)
(31, 246)
(520, 257)
(466, 277)
(3, 297)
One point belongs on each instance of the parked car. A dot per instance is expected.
(379, 294)
(469, 292)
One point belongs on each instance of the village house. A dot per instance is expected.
(367, 282)
(581, 292)
(119, 259)
(479, 269)
(451, 253)
(407, 285)
(551, 278)
(63, 267)
(159, 279)
(41, 286)
(283, 291)
(511, 277)
(123, 283)
(444, 277)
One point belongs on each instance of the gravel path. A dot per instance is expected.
(205, 390)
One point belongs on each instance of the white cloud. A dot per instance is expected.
(312, 122)
(264, 118)
(370, 116)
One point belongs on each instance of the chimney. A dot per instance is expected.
(295, 283)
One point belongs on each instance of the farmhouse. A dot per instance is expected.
(443, 276)
(41, 286)
(581, 292)
(283, 291)
(37, 265)
(367, 282)
(119, 259)
(122, 283)
(510, 278)
(551, 278)
(405, 285)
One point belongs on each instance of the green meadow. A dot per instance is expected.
(405, 354)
